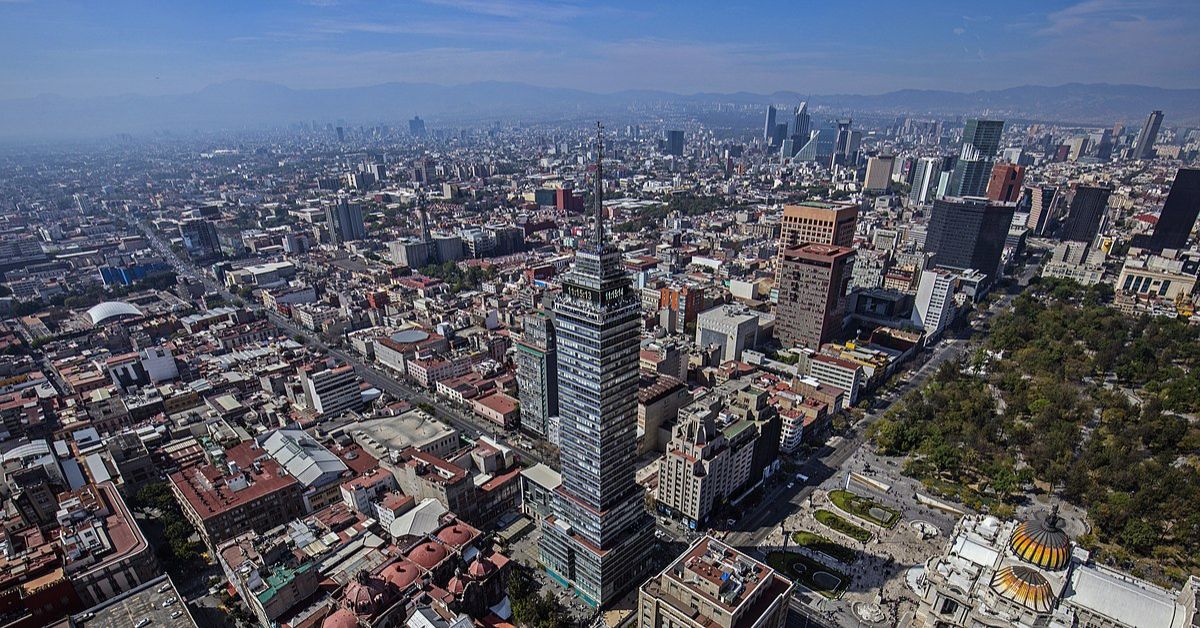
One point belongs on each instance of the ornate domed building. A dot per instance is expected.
(444, 570)
(1025, 586)
(1029, 573)
(370, 601)
(1042, 542)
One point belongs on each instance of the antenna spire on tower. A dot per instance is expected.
(599, 183)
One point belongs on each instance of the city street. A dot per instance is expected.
(847, 453)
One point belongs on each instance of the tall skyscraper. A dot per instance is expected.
(416, 126)
(1005, 183)
(830, 223)
(800, 125)
(780, 134)
(769, 125)
(926, 174)
(1178, 213)
(1105, 145)
(820, 222)
(812, 294)
(841, 144)
(344, 221)
(674, 144)
(980, 143)
(599, 533)
(1043, 208)
(537, 374)
(1143, 148)
(879, 173)
(1086, 213)
(969, 233)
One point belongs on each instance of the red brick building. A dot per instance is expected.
(1005, 183)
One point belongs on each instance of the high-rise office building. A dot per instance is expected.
(599, 533)
(1043, 208)
(933, 305)
(969, 233)
(787, 149)
(328, 391)
(674, 143)
(200, 239)
(879, 173)
(980, 143)
(842, 144)
(780, 134)
(799, 126)
(344, 221)
(813, 281)
(1104, 145)
(537, 374)
(1005, 183)
(416, 126)
(769, 125)
(1143, 148)
(926, 174)
(820, 222)
(1086, 213)
(1178, 213)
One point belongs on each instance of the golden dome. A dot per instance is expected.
(1025, 586)
(1042, 543)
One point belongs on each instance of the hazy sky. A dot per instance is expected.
(105, 47)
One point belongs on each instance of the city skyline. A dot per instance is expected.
(566, 314)
(132, 47)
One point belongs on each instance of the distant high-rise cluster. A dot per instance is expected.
(790, 135)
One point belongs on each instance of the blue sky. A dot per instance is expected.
(90, 48)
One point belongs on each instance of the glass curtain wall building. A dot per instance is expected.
(598, 535)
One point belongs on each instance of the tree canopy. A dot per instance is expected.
(1076, 396)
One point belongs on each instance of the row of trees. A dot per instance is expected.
(179, 549)
(1057, 406)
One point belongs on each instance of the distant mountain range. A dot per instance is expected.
(252, 104)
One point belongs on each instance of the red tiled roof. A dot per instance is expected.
(501, 480)
(498, 402)
(205, 489)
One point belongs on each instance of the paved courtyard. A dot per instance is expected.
(877, 573)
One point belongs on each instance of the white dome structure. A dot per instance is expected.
(102, 312)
